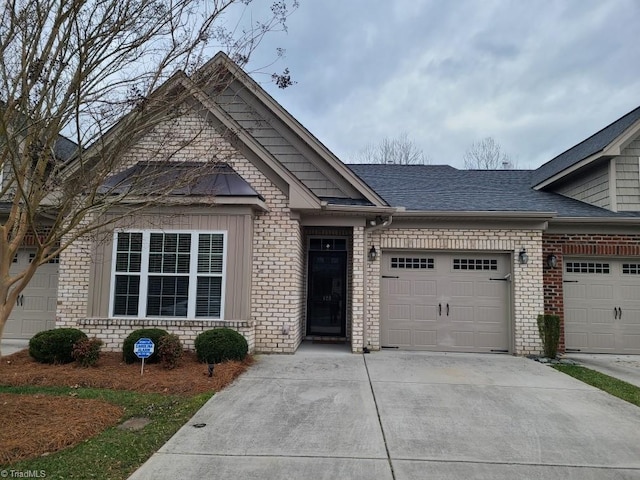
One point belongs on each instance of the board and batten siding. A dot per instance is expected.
(280, 142)
(239, 229)
(628, 178)
(591, 187)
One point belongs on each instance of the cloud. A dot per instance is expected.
(537, 76)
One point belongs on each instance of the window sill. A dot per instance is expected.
(167, 322)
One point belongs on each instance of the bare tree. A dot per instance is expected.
(103, 73)
(486, 154)
(399, 151)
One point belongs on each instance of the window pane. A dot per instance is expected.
(209, 297)
(128, 248)
(167, 296)
(169, 252)
(210, 252)
(126, 297)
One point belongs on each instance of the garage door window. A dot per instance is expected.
(412, 263)
(631, 268)
(474, 264)
(177, 274)
(587, 267)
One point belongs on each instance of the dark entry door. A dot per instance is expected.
(326, 296)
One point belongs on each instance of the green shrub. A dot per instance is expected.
(55, 346)
(549, 329)
(153, 334)
(170, 351)
(220, 344)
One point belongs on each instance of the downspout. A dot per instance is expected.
(367, 230)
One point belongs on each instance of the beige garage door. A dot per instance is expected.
(602, 305)
(36, 308)
(445, 301)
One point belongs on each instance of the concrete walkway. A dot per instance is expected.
(9, 346)
(623, 367)
(328, 414)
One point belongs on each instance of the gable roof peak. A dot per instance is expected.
(596, 143)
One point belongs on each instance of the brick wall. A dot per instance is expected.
(277, 252)
(526, 279)
(587, 245)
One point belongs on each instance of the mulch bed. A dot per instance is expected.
(35, 425)
(57, 422)
(189, 378)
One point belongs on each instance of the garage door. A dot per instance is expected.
(445, 302)
(602, 305)
(36, 307)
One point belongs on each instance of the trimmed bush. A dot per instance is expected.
(153, 334)
(86, 351)
(170, 351)
(549, 329)
(55, 346)
(220, 344)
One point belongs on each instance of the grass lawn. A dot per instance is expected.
(611, 385)
(115, 453)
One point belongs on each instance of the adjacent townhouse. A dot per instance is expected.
(284, 243)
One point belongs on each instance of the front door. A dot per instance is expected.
(326, 296)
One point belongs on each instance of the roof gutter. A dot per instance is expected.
(368, 209)
(597, 220)
(477, 214)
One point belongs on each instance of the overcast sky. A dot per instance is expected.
(537, 76)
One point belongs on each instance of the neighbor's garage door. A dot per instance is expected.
(36, 307)
(602, 305)
(445, 302)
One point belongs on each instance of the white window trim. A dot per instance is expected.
(144, 274)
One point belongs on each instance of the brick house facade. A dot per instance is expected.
(421, 257)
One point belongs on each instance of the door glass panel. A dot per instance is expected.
(326, 308)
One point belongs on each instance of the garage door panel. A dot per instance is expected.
(489, 315)
(602, 309)
(425, 288)
(463, 339)
(425, 338)
(579, 339)
(399, 312)
(463, 314)
(602, 341)
(460, 289)
(399, 287)
(452, 309)
(600, 316)
(401, 338)
(631, 341)
(600, 292)
(425, 313)
(630, 292)
(575, 316)
(574, 290)
(490, 289)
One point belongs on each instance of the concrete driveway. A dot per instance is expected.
(623, 367)
(328, 414)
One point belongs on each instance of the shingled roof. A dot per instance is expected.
(445, 188)
(594, 144)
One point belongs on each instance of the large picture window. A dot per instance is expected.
(168, 274)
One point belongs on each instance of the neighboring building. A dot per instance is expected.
(286, 243)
